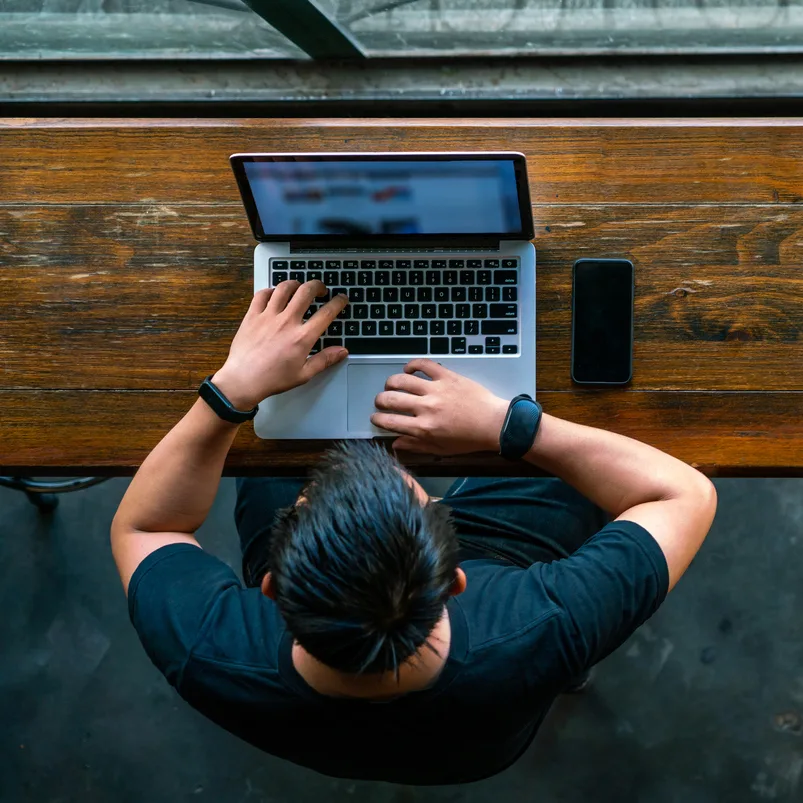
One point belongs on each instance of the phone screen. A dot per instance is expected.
(602, 321)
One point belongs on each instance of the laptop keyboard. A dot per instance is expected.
(415, 307)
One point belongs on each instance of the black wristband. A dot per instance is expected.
(217, 400)
(520, 428)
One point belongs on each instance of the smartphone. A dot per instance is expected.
(602, 321)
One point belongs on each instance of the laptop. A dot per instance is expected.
(434, 253)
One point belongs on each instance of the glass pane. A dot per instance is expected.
(574, 26)
(141, 29)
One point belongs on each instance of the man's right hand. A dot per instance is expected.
(446, 414)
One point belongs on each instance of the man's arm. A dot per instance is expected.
(170, 496)
(454, 415)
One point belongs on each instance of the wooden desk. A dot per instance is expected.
(126, 265)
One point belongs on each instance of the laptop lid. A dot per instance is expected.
(406, 200)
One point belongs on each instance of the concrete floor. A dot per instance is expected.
(704, 703)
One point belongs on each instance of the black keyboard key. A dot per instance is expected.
(454, 327)
(356, 295)
(511, 349)
(315, 264)
(505, 276)
(403, 264)
(483, 277)
(352, 328)
(492, 294)
(382, 278)
(463, 310)
(475, 294)
(411, 311)
(394, 310)
(471, 327)
(467, 277)
(386, 328)
(335, 329)
(458, 345)
(504, 310)
(309, 312)
(316, 348)
(420, 327)
(457, 263)
(399, 277)
(446, 311)
(297, 264)
(450, 277)
(492, 349)
(492, 341)
(433, 277)
(373, 294)
(325, 297)
(416, 277)
(423, 294)
(297, 276)
(279, 276)
(421, 264)
(333, 264)
(437, 327)
(510, 294)
(390, 294)
(368, 328)
(279, 264)
(351, 264)
(429, 311)
(377, 311)
(441, 294)
(458, 294)
(499, 327)
(479, 311)
(510, 263)
(474, 263)
(336, 291)
(314, 274)
(332, 341)
(331, 277)
(348, 278)
(368, 264)
(407, 294)
(387, 345)
(365, 278)
(403, 328)
(345, 313)
(360, 312)
(385, 264)
(439, 345)
(438, 264)
(491, 263)
(475, 349)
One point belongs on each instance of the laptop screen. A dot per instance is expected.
(385, 196)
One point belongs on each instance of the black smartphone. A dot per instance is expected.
(602, 321)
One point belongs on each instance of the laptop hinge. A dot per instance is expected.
(396, 246)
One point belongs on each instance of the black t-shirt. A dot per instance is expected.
(519, 636)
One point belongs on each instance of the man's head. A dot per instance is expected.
(362, 568)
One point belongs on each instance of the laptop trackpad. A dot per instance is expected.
(365, 381)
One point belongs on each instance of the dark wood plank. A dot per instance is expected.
(141, 297)
(617, 161)
(112, 432)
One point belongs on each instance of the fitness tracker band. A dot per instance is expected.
(214, 397)
(520, 427)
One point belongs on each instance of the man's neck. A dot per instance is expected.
(415, 674)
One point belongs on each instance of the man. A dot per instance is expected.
(382, 634)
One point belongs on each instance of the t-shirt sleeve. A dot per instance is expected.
(604, 591)
(170, 597)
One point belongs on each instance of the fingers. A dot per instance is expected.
(428, 367)
(397, 402)
(409, 444)
(260, 300)
(320, 321)
(403, 424)
(408, 383)
(304, 296)
(282, 294)
(323, 360)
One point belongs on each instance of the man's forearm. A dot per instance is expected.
(176, 485)
(613, 471)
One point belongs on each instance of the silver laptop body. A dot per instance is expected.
(434, 252)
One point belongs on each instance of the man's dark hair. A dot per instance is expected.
(362, 570)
